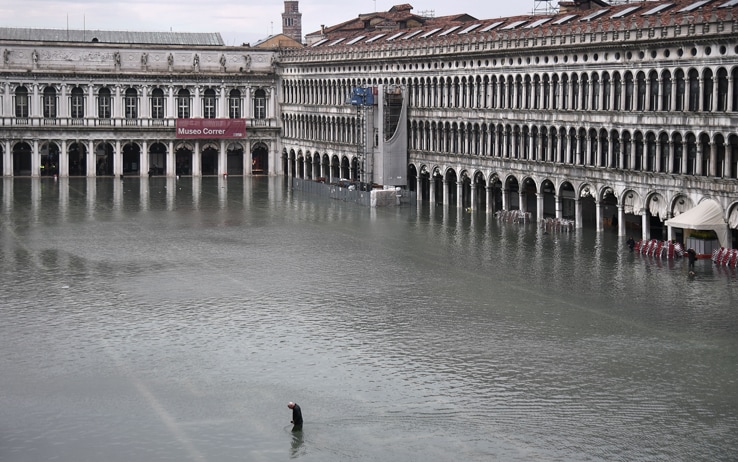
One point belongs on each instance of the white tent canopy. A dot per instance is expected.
(706, 216)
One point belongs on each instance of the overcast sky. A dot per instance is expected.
(244, 21)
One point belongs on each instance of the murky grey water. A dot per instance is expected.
(164, 320)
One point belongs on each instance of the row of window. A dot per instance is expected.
(707, 90)
(678, 153)
(131, 103)
(315, 128)
(688, 154)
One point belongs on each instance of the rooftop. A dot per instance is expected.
(113, 37)
(399, 26)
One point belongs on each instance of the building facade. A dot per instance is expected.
(90, 103)
(608, 115)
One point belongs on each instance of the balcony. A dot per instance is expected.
(60, 122)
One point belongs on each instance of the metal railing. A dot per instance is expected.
(90, 122)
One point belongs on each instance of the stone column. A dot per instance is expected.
(117, 103)
(729, 105)
(171, 161)
(223, 158)
(171, 104)
(505, 199)
(559, 211)
(7, 159)
(577, 212)
(598, 157)
(726, 160)
(143, 161)
(197, 103)
(196, 160)
(7, 106)
(35, 159)
(489, 194)
(117, 159)
(645, 228)
(460, 193)
(63, 111)
(90, 159)
(418, 188)
(685, 157)
(271, 103)
(539, 207)
(598, 216)
(247, 166)
(673, 102)
(63, 159)
(446, 192)
(249, 105)
(90, 112)
(432, 190)
(144, 105)
(621, 220)
(473, 198)
(522, 203)
(223, 103)
(713, 158)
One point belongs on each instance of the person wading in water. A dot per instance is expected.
(296, 416)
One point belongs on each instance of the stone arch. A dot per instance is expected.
(77, 159)
(511, 189)
(104, 158)
(183, 158)
(234, 158)
(157, 158)
(260, 159)
(131, 158)
(49, 158)
(680, 204)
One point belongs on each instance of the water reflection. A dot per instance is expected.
(157, 319)
(296, 448)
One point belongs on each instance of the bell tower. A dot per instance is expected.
(292, 20)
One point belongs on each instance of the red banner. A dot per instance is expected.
(211, 128)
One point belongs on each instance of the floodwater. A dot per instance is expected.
(172, 320)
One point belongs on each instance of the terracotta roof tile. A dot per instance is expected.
(574, 17)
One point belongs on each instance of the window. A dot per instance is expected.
(183, 104)
(104, 104)
(208, 104)
(625, 12)
(157, 103)
(617, 92)
(234, 104)
(658, 9)
(21, 102)
(563, 20)
(49, 102)
(131, 103)
(629, 90)
(77, 103)
(594, 15)
(681, 90)
(260, 104)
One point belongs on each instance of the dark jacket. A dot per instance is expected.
(297, 415)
